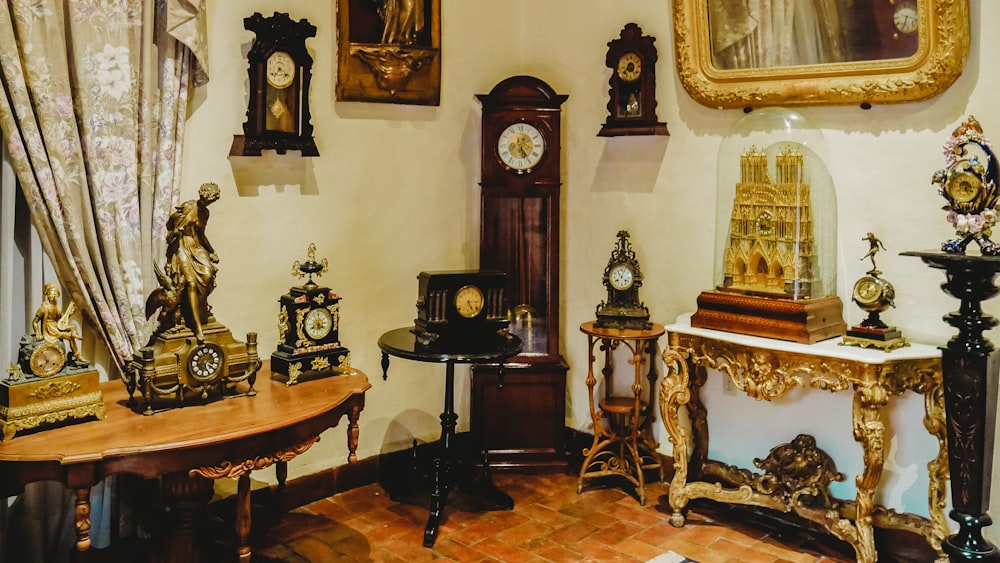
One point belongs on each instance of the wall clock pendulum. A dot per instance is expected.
(523, 424)
(279, 70)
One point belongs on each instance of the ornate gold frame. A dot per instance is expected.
(940, 57)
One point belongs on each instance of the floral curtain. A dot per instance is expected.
(96, 93)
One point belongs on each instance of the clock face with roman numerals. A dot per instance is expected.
(521, 146)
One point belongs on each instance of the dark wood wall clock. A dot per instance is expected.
(523, 424)
(632, 103)
(389, 51)
(280, 70)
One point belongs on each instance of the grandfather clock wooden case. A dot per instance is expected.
(522, 424)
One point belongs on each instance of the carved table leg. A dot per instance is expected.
(185, 497)
(243, 517)
(353, 432)
(595, 416)
(83, 519)
(937, 468)
(869, 430)
(674, 393)
(443, 464)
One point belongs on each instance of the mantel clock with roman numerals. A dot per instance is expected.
(309, 328)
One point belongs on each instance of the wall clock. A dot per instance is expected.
(623, 278)
(309, 328)
(632, 103)
(280, 70)
(523, 425)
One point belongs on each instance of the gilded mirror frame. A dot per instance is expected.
(939, 59)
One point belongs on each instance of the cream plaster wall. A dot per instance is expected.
(395, 192)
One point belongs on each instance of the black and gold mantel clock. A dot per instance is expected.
(280, 70)
(523, 424)
(623, 278)
(632, 103)
(309, 328)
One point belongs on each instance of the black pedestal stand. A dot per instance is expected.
(969, 365)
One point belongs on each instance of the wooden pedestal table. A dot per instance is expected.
(624, 446)
(187, 448)
(448, 468)
(766, 369)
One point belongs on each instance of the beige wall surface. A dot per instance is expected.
(395, 192)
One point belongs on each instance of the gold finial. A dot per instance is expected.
(310, 266)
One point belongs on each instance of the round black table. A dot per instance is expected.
(402, 343)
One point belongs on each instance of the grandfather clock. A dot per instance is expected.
(520, 419)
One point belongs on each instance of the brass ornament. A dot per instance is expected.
(768, 374)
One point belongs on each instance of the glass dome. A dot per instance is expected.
(776, 226)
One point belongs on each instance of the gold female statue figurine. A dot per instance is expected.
(51, 324)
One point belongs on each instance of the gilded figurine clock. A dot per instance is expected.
(632, 103)
(51, 382)
(461, 311)
(309, 328)
(874, 294)
(280, 70)
(623, 278)
(191, 357)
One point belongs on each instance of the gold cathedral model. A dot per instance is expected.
(770, 286)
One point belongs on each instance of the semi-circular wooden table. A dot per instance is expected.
(187, 448)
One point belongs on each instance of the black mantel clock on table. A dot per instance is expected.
(309, 328)
(523, 424)
(279, 70)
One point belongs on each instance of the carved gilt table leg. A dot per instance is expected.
(869, 430)
(674, 393)
(937, 468)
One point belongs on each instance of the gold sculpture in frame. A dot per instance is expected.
(389, 51)
(940, 54)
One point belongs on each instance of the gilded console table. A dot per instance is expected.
(766, 369)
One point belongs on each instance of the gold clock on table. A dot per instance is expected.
(51, 383)
(873, 295)
(309, 328)
(632, 94)
(623, 278)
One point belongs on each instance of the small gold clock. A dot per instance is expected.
(47, 359)
(629, 67)
(874, 295)
(469, 301)
(622, 278)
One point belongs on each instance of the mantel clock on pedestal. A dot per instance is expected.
(522, 424)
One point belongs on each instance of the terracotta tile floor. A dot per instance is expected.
(550, 522)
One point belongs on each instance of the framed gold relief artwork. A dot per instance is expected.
(389, 51)
(823, 52)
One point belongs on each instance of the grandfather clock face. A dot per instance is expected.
(520, 205)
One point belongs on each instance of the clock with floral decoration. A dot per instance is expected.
(969, 184)
(309, 328)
